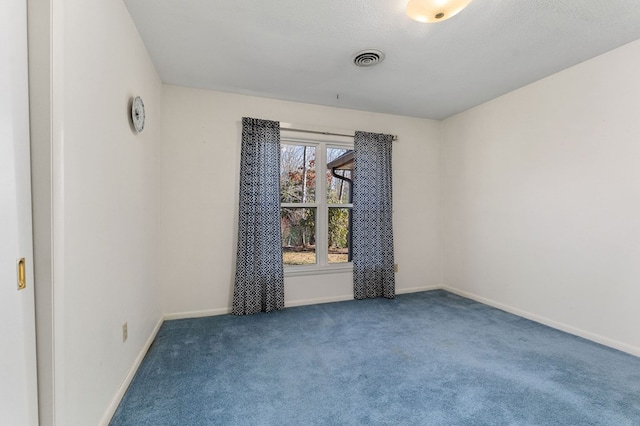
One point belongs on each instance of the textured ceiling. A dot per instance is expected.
(302, 50)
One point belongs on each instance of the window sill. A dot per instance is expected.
(297, 271)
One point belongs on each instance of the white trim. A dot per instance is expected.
(633, 350)
(226, 311)
(330, 268)
(315, 141)
(106, 418)
(197, 314)
(299, 205)
(317, 301)
(322, 213)
(290, 303)
(418, 289)
(331, 299)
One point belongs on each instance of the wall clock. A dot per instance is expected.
(137, 114)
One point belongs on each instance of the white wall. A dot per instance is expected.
(541, 200)
(105, 205)
(200, 168)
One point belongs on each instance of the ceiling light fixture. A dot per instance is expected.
(435, 10)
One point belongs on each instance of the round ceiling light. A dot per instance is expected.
(435, 10)
(368, 58)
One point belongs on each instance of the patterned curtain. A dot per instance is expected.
(373, 274)
(259, 283)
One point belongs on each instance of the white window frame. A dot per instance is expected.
(322, 266)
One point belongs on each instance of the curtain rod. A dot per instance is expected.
(316, 132)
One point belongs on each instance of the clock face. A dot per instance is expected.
(137, 114)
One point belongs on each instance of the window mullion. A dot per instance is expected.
(322, 214)
(306, 205)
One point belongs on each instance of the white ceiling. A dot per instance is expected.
(302, 50)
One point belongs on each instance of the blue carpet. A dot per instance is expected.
(429, 358)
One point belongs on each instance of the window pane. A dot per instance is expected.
(298, 227)
(297, 174)
(341, 161)
(339, 235)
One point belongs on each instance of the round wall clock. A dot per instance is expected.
(137, 114)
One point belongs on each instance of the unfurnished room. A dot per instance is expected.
(384, 212)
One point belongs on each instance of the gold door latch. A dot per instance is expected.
(22, 275)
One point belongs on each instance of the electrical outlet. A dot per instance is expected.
(125, 332)
(395, 267)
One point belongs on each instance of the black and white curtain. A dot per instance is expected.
(259, 282)
(372, 227)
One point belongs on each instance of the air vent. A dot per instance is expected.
(368, 58)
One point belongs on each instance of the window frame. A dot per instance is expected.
(322, 265)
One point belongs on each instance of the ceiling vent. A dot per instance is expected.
(368, 58)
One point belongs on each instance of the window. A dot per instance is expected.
(315, 214)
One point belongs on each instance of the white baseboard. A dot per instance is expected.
(317, 301)
(106, 418)
(225, 311)
(418, 289)
(624, 347)
(290, 303)
(197, 314)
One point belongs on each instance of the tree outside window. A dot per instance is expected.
(315, 229)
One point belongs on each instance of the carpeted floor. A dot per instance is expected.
(429, 358)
